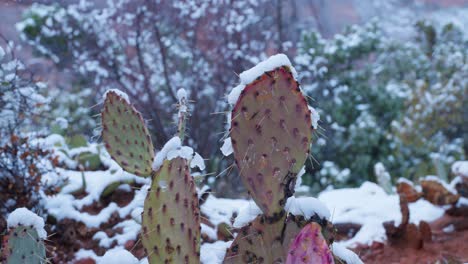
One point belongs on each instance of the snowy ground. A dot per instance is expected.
(369, 206)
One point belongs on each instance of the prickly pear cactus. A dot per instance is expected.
(125, 135)
(310, 247)
(263, 241)
(271, 133)
(23, 245)
(171, 217)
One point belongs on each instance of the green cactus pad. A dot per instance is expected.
(23, 245)
(262, 241)
(171, 216)
(271, 132)
(125, 135)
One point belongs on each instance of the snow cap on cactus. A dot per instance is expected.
(24, 242)
(23, 217)
(309, 247)
(173, 149)
(125, 134)
(270, 131)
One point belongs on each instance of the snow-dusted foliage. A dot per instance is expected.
(151, 49)
(390, 101)
(22, 161)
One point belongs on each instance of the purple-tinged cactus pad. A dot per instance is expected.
(171, 216)
(309, 247)
(271, 133)
(263, 241)
(125, 135)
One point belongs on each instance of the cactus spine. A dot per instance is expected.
(170, 220)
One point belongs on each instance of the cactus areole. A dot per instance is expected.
(271, 133)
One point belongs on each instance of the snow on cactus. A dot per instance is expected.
(271, 131)
(171, 218)
(24, 242)
(309, 247)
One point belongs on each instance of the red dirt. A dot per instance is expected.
(445, 247)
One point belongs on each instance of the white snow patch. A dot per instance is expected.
(314, 116)
(118, 256)
(269, 64)
(22, 216)
(130, 230)
(181, 94)
(345, 254)
(370, 206)
(246, 214)
(449, 229)
(209, 231)
(307, 207)
(250, 75)
(213, 253)
(299, 178)
(226, 149)
(173, 149)
(401, 180)
(197, 161)
(460, 168)
(220, 210)
(233, 96)
(119, 93)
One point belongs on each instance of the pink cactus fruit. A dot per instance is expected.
(309, 247)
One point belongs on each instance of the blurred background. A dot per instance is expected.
(388, 77)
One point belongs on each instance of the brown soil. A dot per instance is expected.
(445, 247)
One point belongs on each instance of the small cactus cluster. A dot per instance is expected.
(271, 129)
(271, 132)
(171, 218)
(24, 243)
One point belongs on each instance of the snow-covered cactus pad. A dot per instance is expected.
(310, 247)
(171, 217)
(271, 133)
(125, 134)
(24, 242)
(263, 241)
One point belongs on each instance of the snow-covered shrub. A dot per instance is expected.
(150, 50)
(390, 101)
(22, 161)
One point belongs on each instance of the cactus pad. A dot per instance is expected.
(271, 132)
(125, 135)
(23, 245)
(309, 247)
(262, 241)
(171, 217)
